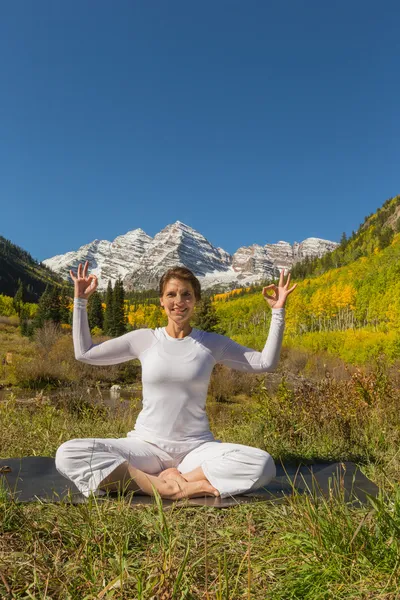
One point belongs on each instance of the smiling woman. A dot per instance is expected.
(171, 437)
(179, 292)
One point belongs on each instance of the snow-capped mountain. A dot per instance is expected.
(177, 244)
(141, 260)
(107, 260)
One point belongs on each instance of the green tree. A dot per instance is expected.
(44, 312)
(108, 324)
(55, 305)
(19, 298)
(385, 237)
(95, 311)
(119, 325)
(24, 325)
(205, 317)
(328, 260)
(65, 313)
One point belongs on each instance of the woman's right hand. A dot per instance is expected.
(84, 285)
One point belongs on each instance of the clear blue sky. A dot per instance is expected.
(252, 122)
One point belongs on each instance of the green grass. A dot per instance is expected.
(304, 548)
(307, 548)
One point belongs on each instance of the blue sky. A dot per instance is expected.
(252, 122)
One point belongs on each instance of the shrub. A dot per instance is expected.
(12, 320)
(329, 419)
(227, 383)
(45, 337)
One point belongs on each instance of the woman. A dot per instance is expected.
(171, 448)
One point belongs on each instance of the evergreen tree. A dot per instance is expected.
(19, 298)
(65, 313)
(108, 324)
(328, 260)
(23, 322)
(385, 236)
(55, 305)
(356, 254)
(95, 311)
(343, 240)
(43, 312)
(205, 317)
(119, 326)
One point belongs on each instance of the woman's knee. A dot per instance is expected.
(71, 450)
(63, 455)
(267, 468)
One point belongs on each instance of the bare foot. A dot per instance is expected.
(171, 473)
(188, 488)
(193, 489)
(207, 489)
(174, 487)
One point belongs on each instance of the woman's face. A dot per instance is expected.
(178, 301)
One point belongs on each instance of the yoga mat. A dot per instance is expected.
(35, 478)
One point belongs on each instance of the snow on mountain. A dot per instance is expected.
(107, 260)
(177, 244)
(252, 260)
(312, 247)
(140, 260)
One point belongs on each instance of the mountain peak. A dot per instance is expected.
(183, 225)
(140, 260)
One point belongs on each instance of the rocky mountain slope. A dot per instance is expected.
(140, 259)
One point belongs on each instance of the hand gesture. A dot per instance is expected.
(84, 285)
(281, 291)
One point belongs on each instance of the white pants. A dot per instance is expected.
(230, 468)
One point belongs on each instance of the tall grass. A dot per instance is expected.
(307, 547)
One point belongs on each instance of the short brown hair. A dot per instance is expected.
(184, 274)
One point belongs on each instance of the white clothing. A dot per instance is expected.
(172, 429)
(175, 373)
(230, 468)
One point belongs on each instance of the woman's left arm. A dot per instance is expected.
(246, 359)
(241, 358)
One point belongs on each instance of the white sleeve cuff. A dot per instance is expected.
(80, 302)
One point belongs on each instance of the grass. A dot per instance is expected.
(304, 548)
(314, 549)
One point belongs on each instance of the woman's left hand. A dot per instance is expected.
(280, 291)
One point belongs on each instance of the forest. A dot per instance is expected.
(347, 303)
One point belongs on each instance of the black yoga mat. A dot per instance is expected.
(35, 478)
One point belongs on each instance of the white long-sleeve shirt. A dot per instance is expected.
(175, 373)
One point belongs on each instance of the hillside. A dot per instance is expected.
(351, 311)
(375, 233)
(16, 263)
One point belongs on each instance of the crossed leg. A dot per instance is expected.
(170, 483)
(195, 475)
(212, 468)
(125, 464)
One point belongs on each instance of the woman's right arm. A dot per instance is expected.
(118, 350)
(111, 352)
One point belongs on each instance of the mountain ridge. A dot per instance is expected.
(140, 259)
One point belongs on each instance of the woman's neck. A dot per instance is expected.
(178, 331)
